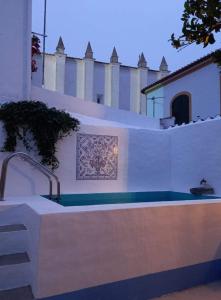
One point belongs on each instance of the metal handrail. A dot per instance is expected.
(34, 163)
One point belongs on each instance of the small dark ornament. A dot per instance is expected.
(217, 57)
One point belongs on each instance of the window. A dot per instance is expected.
(99, 99)
(155, 103)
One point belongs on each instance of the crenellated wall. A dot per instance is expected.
(112, 84)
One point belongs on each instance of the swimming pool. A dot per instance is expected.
(119, 198)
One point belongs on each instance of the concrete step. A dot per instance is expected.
(14, 259)
(23, 293)
(12, 227)
(14, 271)
(13, 239)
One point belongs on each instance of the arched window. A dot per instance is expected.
(181, 108)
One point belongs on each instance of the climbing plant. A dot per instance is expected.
(37, 126)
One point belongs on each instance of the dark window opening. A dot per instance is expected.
(99, 99)
(181, 109)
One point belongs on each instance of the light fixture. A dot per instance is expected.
(115, 150)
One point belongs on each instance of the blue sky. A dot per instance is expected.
(131, 26)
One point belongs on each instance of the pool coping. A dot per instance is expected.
(44, 206)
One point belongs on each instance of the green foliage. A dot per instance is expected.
(35, 124)
(201, 19)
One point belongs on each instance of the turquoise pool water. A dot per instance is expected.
(117, 198)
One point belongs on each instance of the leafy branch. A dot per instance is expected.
(201, 20)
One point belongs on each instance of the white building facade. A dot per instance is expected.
(189, 94)
(112, 84)
(15, 24)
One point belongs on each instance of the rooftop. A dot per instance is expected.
(199, 63)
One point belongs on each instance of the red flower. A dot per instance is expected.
(35, 50)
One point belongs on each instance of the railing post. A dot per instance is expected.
(3, 179)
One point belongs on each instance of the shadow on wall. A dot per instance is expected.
(149, 167)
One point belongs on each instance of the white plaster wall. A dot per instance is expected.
(37, 76)
(80, 78)
(152, 76)
(203, 85)
(149, 160)
(50, 72)
(143, 78)
(124, 88)
(99, 81)
(60, 72)
(195, 154)
(77, 105)
(107, 87)
(115, 82)
(161, 74)
(15, 54)
(137, 148)
(175, 159)
(90, 248)
(137, 167)
(134, 85)
(88, 79)
(138, 81)
(70, 82)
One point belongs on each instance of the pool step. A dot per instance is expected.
(13, 239)
(23, 293)
(14, 271)
(15, 265)
(12, 227)
(14, 259)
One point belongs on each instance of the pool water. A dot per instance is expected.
(134, 197)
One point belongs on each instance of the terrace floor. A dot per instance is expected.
(205, 292)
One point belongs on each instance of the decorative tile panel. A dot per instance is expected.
(97, 157)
